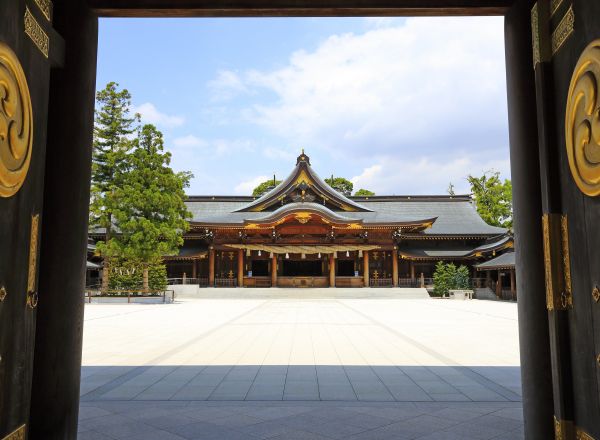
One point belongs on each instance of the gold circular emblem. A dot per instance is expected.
(16, 124)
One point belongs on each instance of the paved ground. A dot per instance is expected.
(299, 365)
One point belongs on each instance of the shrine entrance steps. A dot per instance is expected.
(190, 292)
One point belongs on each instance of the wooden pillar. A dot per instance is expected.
(534, 341)
(64, 223)
(488, 279)
(395, 267)
(240, 268)
(194, 268)
(274, 270)
(499, 285)
(211, 268)
(331, 270)
(366, 268)
(512, 281)
(412, 270)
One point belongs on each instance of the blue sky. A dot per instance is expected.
(399, 106)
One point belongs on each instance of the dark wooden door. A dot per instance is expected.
(24, 80)
(569, 115)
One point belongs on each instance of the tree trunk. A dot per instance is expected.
(146, 286)
(105, 274)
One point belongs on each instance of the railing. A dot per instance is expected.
(508, 295)
(381, 282)
(409, 282)
(225, 282)
(202, 282)
(129, 294)
(478, 283)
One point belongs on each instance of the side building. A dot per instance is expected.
(304, 233)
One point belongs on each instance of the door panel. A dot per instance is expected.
(582, 210)
(24, 81)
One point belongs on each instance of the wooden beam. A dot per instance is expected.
(366, 267)
(274, 270)
(296, 8)
(211, 268)
(331, 271)
(240, 268)
(395, 268)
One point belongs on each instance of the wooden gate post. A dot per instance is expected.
(536, 370)
(55, 396)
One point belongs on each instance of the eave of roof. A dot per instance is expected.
(504, 261)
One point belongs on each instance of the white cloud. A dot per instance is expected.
(226, 86)
(424, 175)
(280, 153)
(419, 86)
(246, 187)
(151, 115)
(231, 146)
(189, 141)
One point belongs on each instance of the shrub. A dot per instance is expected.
(126, 275)
(448, 277)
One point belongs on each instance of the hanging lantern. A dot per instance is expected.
(248, 252)
(259, 252)
(319, 254)
(270, 254)
(287, 256)
(360, 254)
(303, 256)
(347, 253)
(335, 254)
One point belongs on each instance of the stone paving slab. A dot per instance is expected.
(299, 366)
(299, 420)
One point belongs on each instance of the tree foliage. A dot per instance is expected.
(364, 192)
(493, 198)
(127, 275)
(136, 196)
(340, 184)
(113, 129)
(264, 187)
(151, 213)
(448, 277)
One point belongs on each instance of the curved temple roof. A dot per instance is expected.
(303, 212)
(302, 178)
(303, 190)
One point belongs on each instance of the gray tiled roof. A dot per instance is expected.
(505, 260)
(455, 216)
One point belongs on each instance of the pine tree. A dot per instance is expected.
(151, 212)
(113, 128)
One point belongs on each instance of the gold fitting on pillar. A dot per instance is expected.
(3, 293)
(596, 294)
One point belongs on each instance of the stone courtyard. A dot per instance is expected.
(301, 364)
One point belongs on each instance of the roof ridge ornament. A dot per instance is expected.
(303, 158)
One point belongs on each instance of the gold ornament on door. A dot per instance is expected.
(582, 121)
(16, 123)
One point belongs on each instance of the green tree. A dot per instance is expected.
(493, 198)
(265, 186)
(341, 185)
(450, 189)
(127, 275)
(151, 213)
(448, 277)
(113, 128)
(364, 192)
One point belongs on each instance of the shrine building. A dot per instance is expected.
(304, 233)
